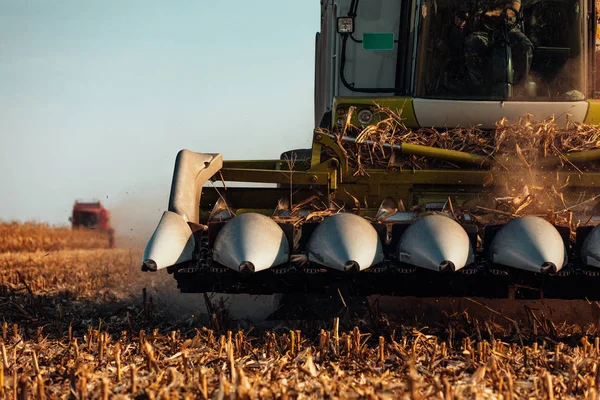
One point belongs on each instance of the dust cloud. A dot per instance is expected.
(136, 215)
(162, 288)
(134, 219)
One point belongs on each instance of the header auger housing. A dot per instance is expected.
(415, 229)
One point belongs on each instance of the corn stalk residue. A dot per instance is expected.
(521, 151)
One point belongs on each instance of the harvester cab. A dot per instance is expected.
(454, 153)
(91, 215)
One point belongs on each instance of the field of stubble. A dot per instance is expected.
(81, 321)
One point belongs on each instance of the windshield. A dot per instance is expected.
(87, 219)
(501, 50)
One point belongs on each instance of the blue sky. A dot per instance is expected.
(97, 97)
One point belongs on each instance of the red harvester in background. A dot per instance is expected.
(92, 215)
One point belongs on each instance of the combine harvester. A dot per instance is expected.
(93, 215)
(336, 221)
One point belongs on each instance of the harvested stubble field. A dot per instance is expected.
(78, 324)
(21, 237)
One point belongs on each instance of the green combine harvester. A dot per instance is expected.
(328, 221)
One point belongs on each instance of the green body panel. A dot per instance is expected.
(402, 105)
(593, 114)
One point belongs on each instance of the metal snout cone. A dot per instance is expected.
(352, 267)
(251, 242)
(345, 242)
(247, 267)
(447, 266)
(149, 265)
(529, 243)
(590, 250)
(171, 243)
(549, 268)
(435, 242)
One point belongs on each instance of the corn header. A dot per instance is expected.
(455, 153)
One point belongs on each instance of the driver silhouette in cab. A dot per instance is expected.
(479, 41)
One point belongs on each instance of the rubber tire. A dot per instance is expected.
(301, 154)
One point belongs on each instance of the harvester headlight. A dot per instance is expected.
(365, 116)
(340, 121)
(341, 111)
(345, 25)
